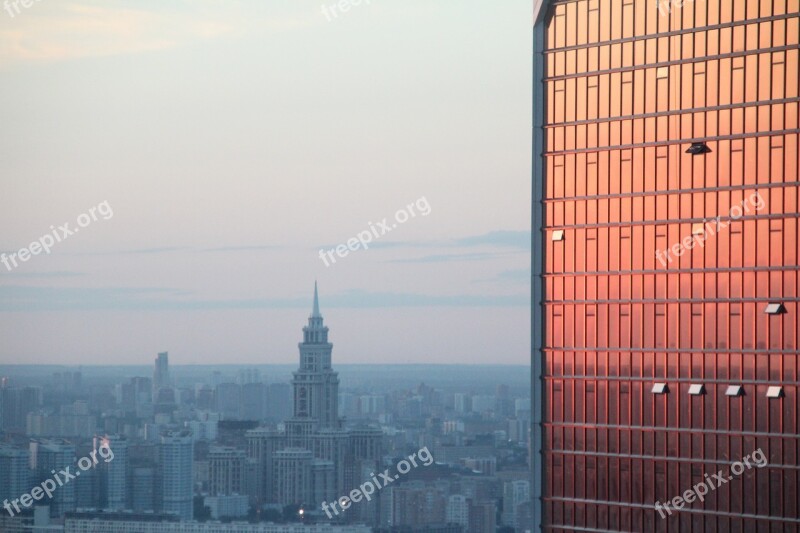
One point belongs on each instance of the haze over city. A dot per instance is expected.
(399, 266)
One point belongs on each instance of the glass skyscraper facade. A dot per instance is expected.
(665, 234)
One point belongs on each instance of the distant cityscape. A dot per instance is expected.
(261, 450)
(603, 310)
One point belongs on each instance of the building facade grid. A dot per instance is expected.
(627, 88)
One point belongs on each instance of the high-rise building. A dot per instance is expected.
(112, 471)
(665, 313)
(293, 482)
(177, 475)
(262, 444)
(515, 493)
(16, 404)
(226, 471)
(457, 511)
(229, 400)
(142, 488)
(161, 373)
(462, 402)
(482, 517)
(279, 401)
(15, 474)
(248, 376)
(315, 383)
(68, 381)
(48, 458)
(413, 505)
(136, 396)
(254, 401)
(315, 458)
(165, 397)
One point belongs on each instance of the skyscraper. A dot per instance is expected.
(665, 238)
(316, 458)
(15, 476)
(113, 473)
(177, 476)
(316, 385)
(161, 373)
(54, 455)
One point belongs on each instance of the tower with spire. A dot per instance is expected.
(315, 457)
(315, 384)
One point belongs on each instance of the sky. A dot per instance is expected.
(212, 155)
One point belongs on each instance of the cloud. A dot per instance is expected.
(56, 31)
(17, 298)
(253, 248)
(368, 299)
(138, 251)
(498, 239)
(523, 274)
(173, 249)
(157, 250)
(443, 258)
(53, 274)
(518, 241)
(28, 298)
(514, 276)
(504, 239)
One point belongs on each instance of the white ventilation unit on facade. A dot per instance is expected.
(774, 392)
(734, 390)
(659, 388)
(775, 309)
(696, 389)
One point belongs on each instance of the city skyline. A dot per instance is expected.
(180, 453)
(556, 244)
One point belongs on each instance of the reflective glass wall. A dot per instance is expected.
(671, 273)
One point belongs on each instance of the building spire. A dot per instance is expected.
(315, 313)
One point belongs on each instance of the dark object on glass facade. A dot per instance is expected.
(698, 149)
